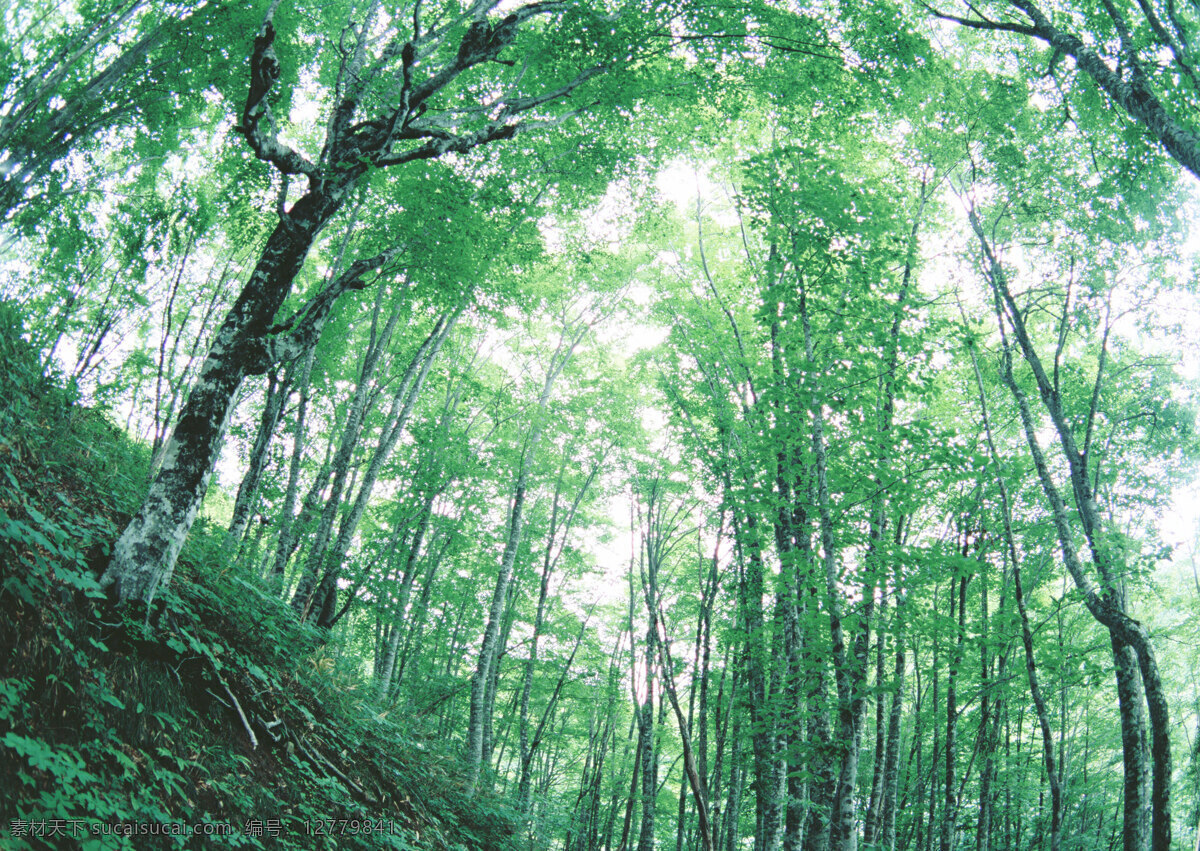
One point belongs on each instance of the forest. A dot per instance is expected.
(596, 425)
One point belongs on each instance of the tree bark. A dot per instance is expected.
(388, 664)
(891, 775)
(285, 542)
(144, 556)
(950, 813)
(550, 559)
(875, 801)
(36, 136)
(843, 829)
(360, 403)
(660, 533)
(649, 767)
(733, 801)
(277, 394)
(394, 425)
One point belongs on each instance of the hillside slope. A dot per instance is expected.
(213, 720)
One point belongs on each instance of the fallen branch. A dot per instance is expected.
(237, 706)
(270, 726)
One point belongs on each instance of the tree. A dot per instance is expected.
(575, 324)
(101, 69)
(409, 73)
(1139, 55)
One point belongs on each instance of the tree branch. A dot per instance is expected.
(982, 23)
(300, 332)
(257, 123)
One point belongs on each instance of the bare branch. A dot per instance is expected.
(519, 105)
(257, 122)
(295, 336)
(449, 143)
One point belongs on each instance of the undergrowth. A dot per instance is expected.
(215, 720)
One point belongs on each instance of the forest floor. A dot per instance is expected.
(212, 720)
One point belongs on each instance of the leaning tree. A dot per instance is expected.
(409, 83)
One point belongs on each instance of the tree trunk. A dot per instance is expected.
(891, 773)
(649, 778)
(37, 135)
(987, 743)
(821, 752)
(843, 829)
(549, 562)
(144, 556)
(388, 664)
(950, 814)
(393, 427)
(1129, 87)
(492, 686)
(733, 801)
(1035, 690)
(659, 532)
(1136, 833)
(248, 342)
(247, 493)
(634, 778)
(165, 363)
(285, 542)
(762, 734)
